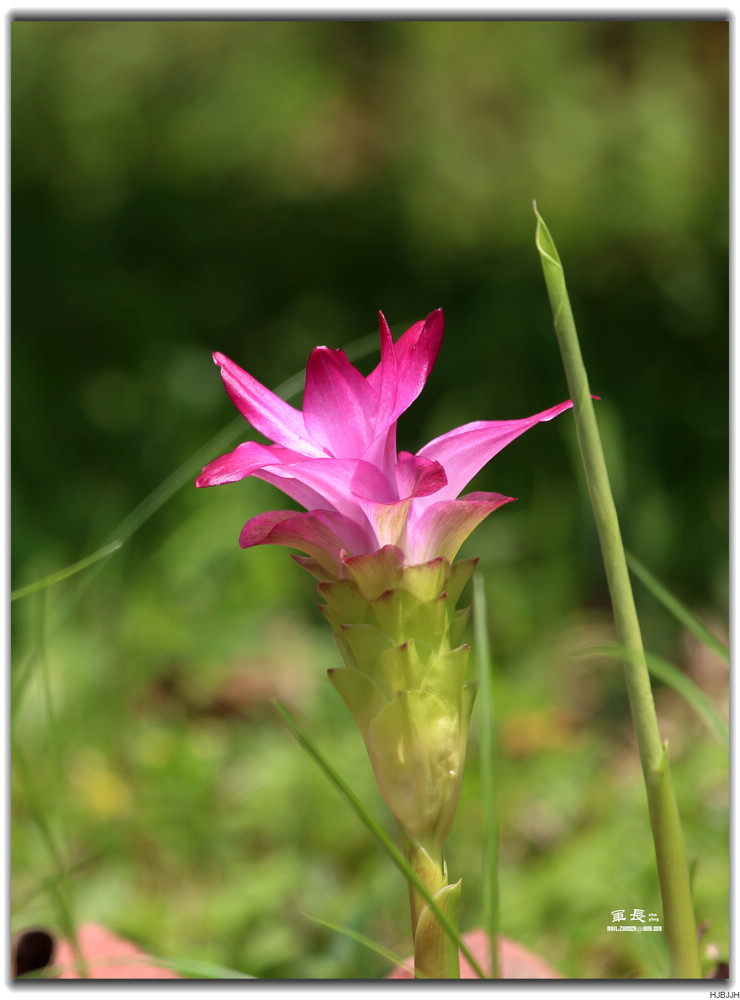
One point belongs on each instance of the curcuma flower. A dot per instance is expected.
(380, 531)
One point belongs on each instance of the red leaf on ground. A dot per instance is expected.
(108, 956)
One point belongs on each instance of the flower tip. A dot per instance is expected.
(435, 318)
(555, 411)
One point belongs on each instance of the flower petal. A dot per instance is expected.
(323, 535)
(418, 477)
(384, 380)
(389, 520)
(465, 450)
(244, 461)
(342, 483)
(415, 478)
(339, 407)
(408, 365)
(266, 412)
(441, 529)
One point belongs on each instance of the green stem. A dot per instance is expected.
(442, 916)
(673, 874)
(488, 774)
(435, 954)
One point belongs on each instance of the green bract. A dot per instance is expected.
(404, 681)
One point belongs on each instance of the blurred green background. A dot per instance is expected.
(261, 187)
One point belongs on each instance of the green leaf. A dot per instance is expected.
(62, 574)
(194, 969)
(678, 907)
(677, 608)
(57, 888)
(367, 942)
(681, 684)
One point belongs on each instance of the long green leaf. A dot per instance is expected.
(489, 803)
(379, 833)
(678, 906)
(677, 608)
(194, 969)
(681, 684)
(62, 574)
(362, 939)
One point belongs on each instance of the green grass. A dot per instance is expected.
(189, 819)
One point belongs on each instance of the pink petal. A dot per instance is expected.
(418, 477)
(339, 407)
(409, 365)
(342, 483)
(441, 528)
(323, 535)
(389, 521)
(415, 478)
(265, 411)
(384, 380)
(465, 450)
(244, 461)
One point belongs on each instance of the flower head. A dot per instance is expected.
(338, 457)
(380, 530)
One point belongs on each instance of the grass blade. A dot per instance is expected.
(55, 887)
(367, 942)
(489, 873)
(379, 833)
(62, 574)
(678, 906)
(194, 969)
(677, 608)
(681, 684)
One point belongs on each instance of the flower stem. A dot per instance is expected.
(678, 910)
(488, 776)
(435, 954)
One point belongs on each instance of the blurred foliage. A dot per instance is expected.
(261, 187)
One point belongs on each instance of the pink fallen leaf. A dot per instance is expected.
(108, 956)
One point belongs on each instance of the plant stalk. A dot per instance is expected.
(673, 874)
(435, 954)
(488, 775)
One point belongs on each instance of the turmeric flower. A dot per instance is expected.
(338, 457)
(380, 530)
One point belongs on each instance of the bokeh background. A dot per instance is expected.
(261, 187)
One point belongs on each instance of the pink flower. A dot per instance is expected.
(338, 458)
